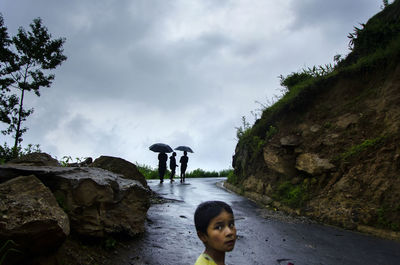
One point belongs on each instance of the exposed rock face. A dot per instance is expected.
(278, 160)
(98, 202)
(120, 166)
(341, 149)
(312, 164)
(35, 159)
(31, 216)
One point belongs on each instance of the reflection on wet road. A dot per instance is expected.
(264, 237)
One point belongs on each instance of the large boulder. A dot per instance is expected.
(120, 166)
(313, 164)
(31, 216)
(98, 202)
(35, 159)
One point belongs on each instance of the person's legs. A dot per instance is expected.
(183, 174)
(161, 173)
(172, 174)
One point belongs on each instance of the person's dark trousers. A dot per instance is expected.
(161, 173)
(172, 174)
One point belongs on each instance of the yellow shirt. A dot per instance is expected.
(204, 259)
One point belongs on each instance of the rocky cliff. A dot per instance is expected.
(329, 148)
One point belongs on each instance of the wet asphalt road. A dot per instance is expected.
(264, 237)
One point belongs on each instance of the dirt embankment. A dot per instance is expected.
(336, 159)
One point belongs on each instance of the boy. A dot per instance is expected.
(215, 227)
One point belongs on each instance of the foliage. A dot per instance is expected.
(384, 220)
(147, 171)
(374, 46)
(8, 153)
(271, 132)
(25, 65)
(66, 160)
(152, 173)
(292, 195)
(380, 30)
(244, 129)
(357, 149)
(232, 178)
(385, 3)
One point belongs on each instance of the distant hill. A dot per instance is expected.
(330, 147)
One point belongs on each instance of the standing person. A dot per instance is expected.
(172, 165)
(184, 160)
(162, 165)
(215, 226)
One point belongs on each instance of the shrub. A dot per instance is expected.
(8, 153)
(292, 195)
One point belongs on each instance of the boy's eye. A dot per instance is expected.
(232, 225)
(219, 227)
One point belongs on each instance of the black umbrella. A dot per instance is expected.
(161, 148)
(184, 148)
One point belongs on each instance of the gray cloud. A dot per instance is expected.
(180, 72)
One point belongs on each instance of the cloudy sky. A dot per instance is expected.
(181, 72)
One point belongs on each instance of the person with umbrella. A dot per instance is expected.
(172, 165)
(184, 161)
(162, 149)
(162, 165)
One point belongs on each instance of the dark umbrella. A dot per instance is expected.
(184, 148)
(161, 148)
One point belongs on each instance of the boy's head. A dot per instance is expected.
(215, 225)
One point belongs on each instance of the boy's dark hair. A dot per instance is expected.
(207, 211)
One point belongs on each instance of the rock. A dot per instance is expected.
(315, 128)
(98, 202)
(346, 120)
(254, 184)
(84, 163)
(120, 166)
(282, 164)
(35, 159)
(330, 139)
(290, 140)
(31, 216)
(312, 164)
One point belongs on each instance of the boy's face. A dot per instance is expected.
(221, 233)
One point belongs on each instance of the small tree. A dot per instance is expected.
(26, 67)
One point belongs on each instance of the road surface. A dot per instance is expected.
(264, 237)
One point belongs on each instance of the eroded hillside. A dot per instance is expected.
(329, 149)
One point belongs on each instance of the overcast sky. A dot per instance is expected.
(181, 72)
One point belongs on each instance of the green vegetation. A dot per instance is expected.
(152, 173)
(66, 160)
(232, 178)
(8, 153)
(375, 45)
(357, 149)
(292, 195)
(149, 172)
(25, 64)
(384, 219)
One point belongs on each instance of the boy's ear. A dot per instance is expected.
(203, 237)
